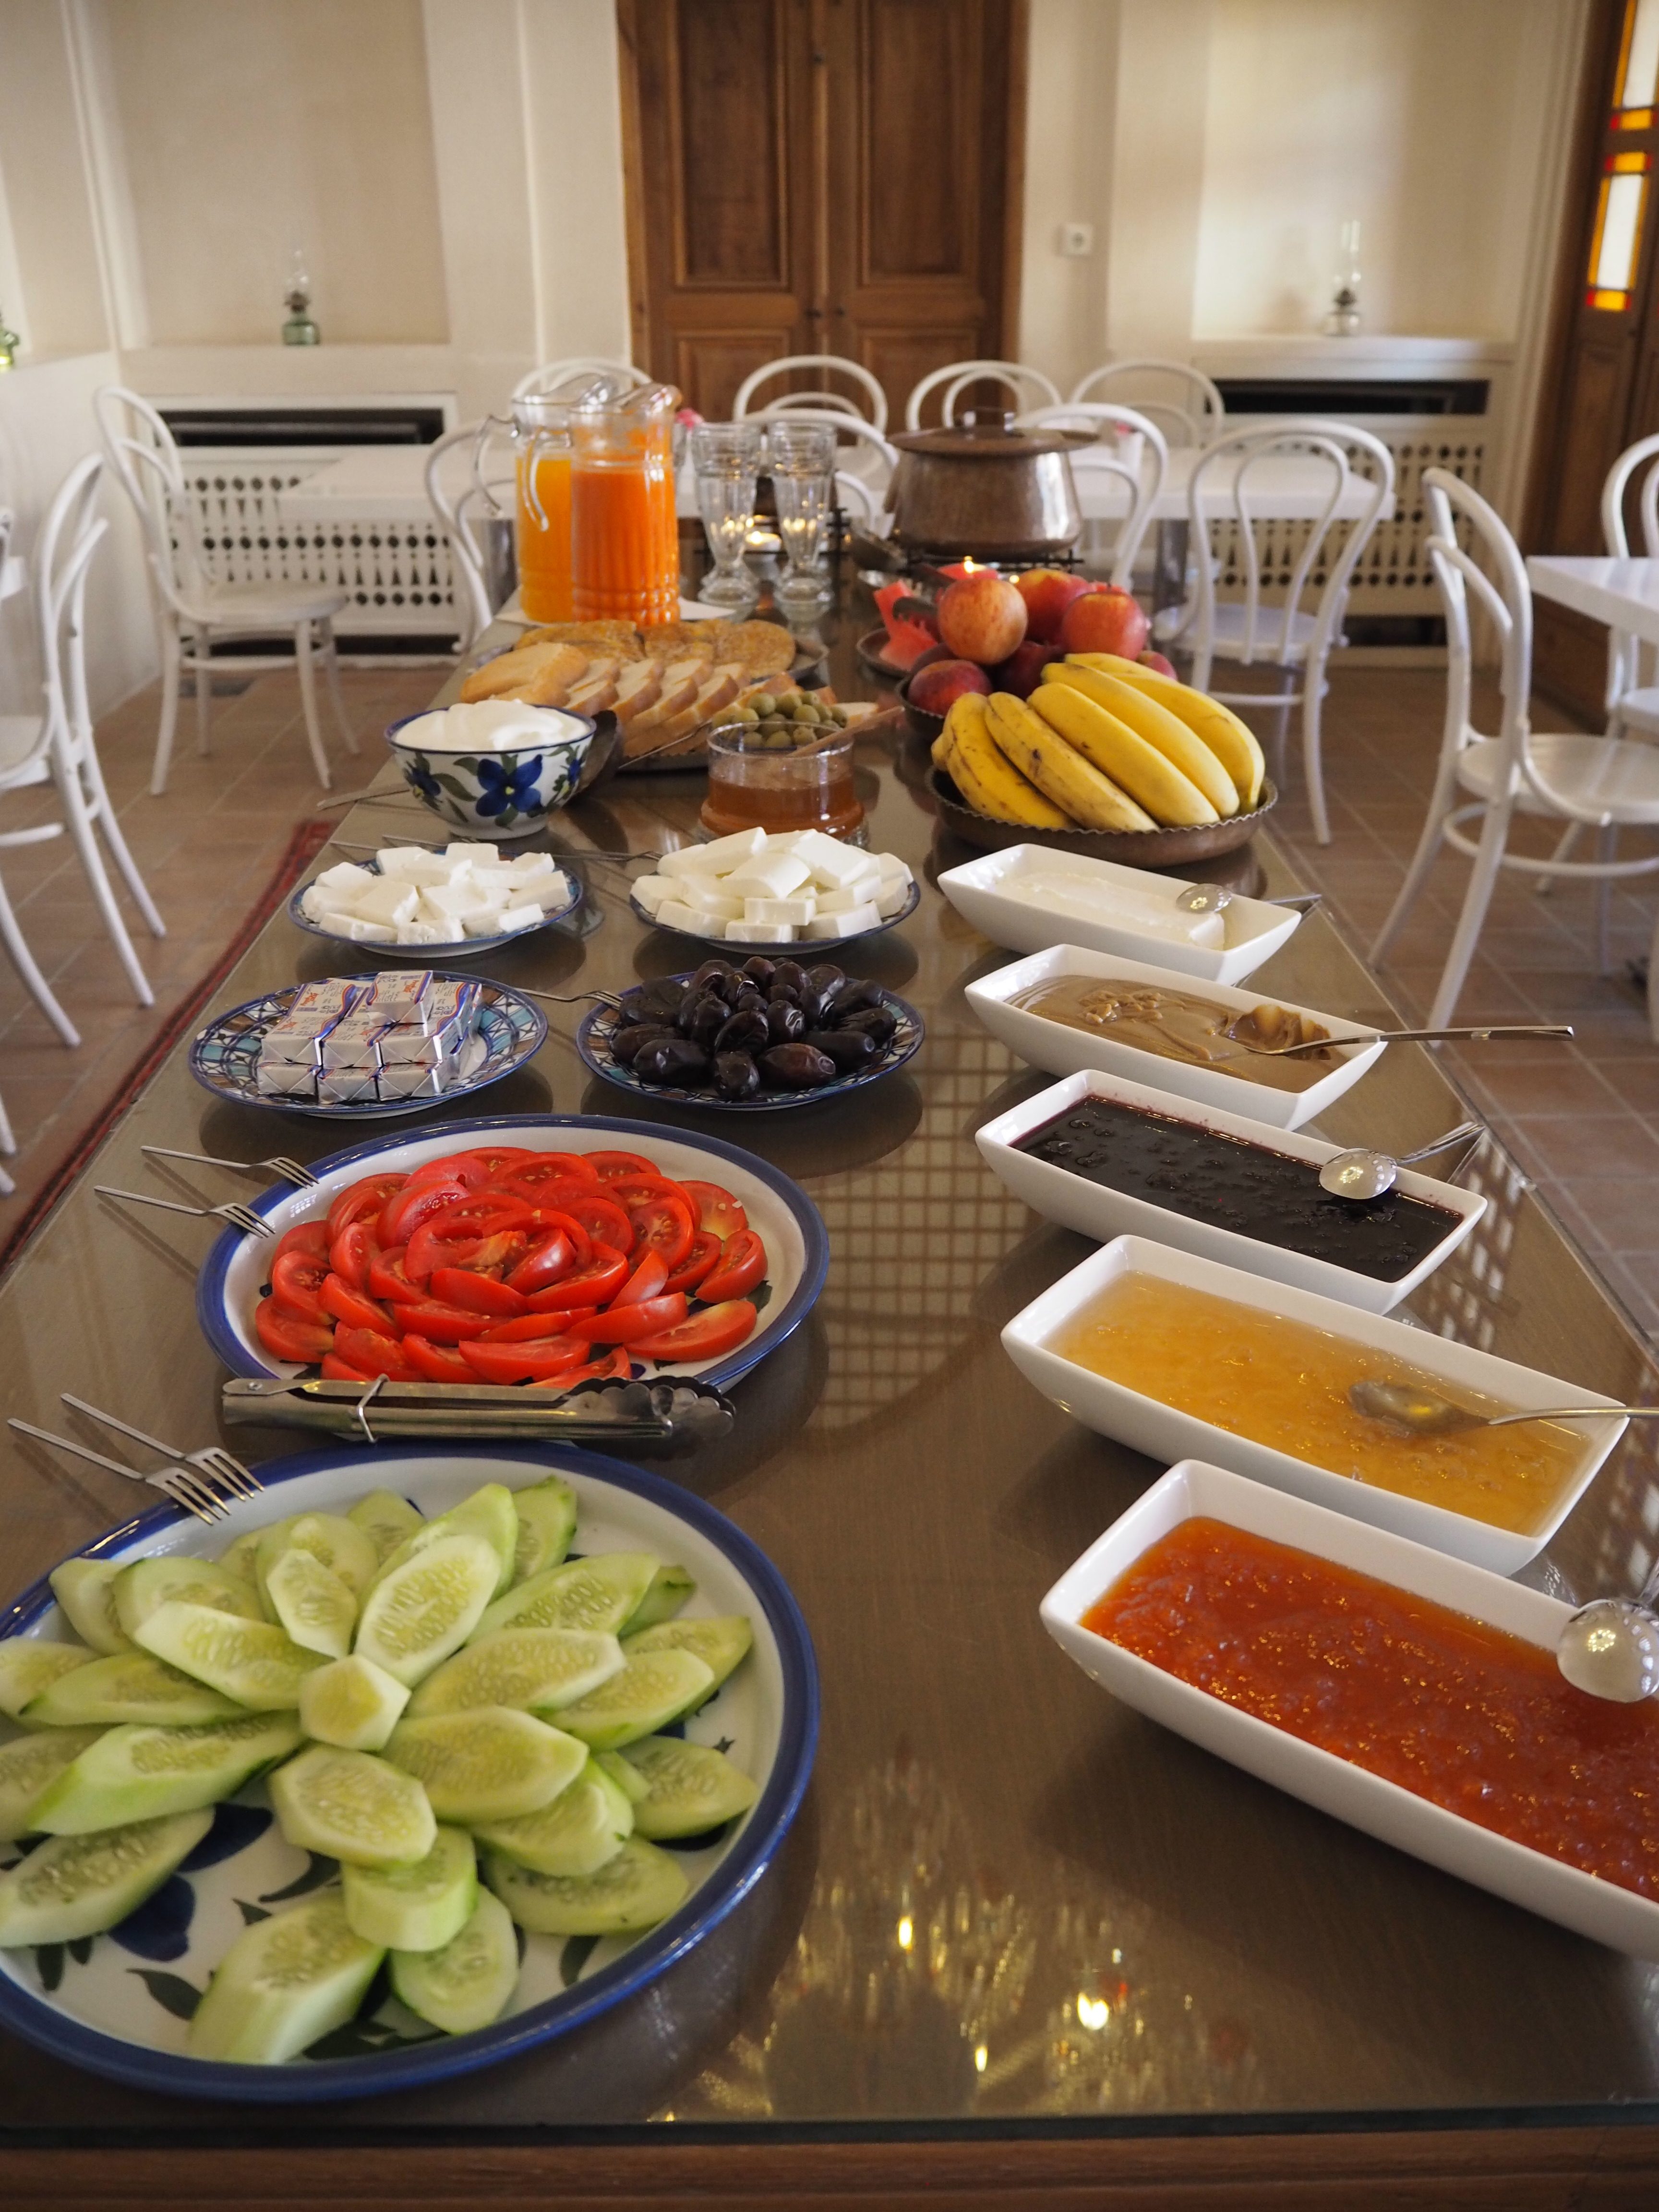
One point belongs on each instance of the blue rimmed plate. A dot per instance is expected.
(229, 1287)
(224, 1055)
(598, 1027)
(459, 948)
(119, 2004)
(804, 948)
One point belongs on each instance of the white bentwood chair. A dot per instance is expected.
(191, 604)
(1632, 698)
(874, 412)
(466, 500)
(1195, 416)
(1030, 386)
(59, 746)
(1281, 633)
(552, 374)
(1603, 783)
(1129, 447)
(863, 477)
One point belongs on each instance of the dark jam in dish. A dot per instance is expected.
(1231, 1183)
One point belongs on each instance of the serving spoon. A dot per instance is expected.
(1215, 898)
(1393, 1036)
(1362, 1173)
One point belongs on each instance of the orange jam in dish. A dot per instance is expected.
(1284, 1384)
(1470, 1717)
(1185, 1026)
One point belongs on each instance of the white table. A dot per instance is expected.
(1285, 488)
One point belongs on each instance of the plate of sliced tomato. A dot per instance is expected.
(544, 1251)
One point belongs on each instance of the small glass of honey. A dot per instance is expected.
(755, 784)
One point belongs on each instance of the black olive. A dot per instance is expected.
(785, 1021)
(707, 1017)
(878, 1022)
(850, 1049)
(713, 973)
(658, 1001)
(749, 1002)
(790, 973)
(826, 977)
(675, 1060)
(854, 995)
(745, 1032)
(796, 1068)
(758, 971)
(627, 1044)
(736, 1075)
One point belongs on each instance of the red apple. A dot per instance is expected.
(1104, 620)
(933, 688)
(1048, 592)
(981, 618)
(1022, 672)
(1159, 664)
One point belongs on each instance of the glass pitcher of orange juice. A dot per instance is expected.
(541, 437)
(625, 543)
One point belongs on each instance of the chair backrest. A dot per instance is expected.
(464, 505)
(141, 451)
(1219, 493)
(551, 373)
(787, 364)
(1627, 658)
(70, 535)
(1134, 452)
(864, 435)
(1179, 398)
(1031, 387)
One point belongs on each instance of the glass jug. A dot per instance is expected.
(540, 430)
(624, 532)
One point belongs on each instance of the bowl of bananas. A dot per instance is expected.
(1107, 758)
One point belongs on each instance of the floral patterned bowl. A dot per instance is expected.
(495, 794)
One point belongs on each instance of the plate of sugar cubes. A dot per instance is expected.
(771, 894)
(436, 901)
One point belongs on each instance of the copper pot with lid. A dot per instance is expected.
(981, 487)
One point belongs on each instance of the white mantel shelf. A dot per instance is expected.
(1299, 354)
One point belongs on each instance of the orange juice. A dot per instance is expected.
(544, 550)
(624, 533)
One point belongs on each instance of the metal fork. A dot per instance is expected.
(184, 1488)
(279, 1164)
(214, 1460)
(242, 1217)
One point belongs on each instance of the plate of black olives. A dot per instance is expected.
(750, 1038)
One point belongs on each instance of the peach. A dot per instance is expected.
(981, 617)
(1105, 620)
(1048, 592)
(934, 687)
(1022, 672)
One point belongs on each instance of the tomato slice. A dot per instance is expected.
(297, 1277)
(335, 1370)
(623, 1326)
(607, 1164)
(664, 1224)
(553, 1190)
(603, 1276)
(285, 1337)
(350, 1253)
(484, 1214)
(441, 1323)
(352, 1307)
(484, 1254)
(304, 1237)
(543, 1263)
(743, 1264)
(530, 1177)
(373, 1353)
(718, 1211)
(435, 1363)
(700, 1260)
(532, 1328)
(501, 1160)
(704, 1335)
(361, 1198)
(601, 1216)
(460, 1287)
(524, 1363)
(647, 1280)
(403, 1212)
(617, 1367)
(630, 1191)
(387, 1280)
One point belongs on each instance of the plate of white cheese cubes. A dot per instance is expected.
(769, 894)
(443, 900)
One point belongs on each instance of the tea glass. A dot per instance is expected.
(802, 460)
(727, 457)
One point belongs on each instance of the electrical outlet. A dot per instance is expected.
(1077, 240)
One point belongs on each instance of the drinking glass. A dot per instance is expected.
(802, 458)
(727, 457)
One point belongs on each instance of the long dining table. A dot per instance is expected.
(1022, 1944)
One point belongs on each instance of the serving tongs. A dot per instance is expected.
(660, 1419)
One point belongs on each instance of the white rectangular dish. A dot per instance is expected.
(1165, 1433)
(1094, 1209)
(1065, 1051)
(1591, 1906)
(990, 893)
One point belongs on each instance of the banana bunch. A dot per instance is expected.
(1103, 743)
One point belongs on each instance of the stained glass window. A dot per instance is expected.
(1638, 66)
(1616, 243)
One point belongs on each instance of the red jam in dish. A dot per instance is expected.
(1468, 1716)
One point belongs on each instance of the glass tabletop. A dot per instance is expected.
(1009, 1900)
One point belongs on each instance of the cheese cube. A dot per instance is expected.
(710, 898)
(524, 864)
(419, 933)
(716, 858)
(385, 901)
(846, 924)
(839, 868)
(525, 915)
(360, 932)
(483, 922)
(452, 902)
(893, 870)
(792, 912)
(760, 933)
(892, 898)
(345, 880)
(314, 903)
(843, 901)
(413, 864)
(773, 875)
(674, 914)
(651, 892)
(488, 856)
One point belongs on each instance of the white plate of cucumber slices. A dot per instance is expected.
(471, 1744)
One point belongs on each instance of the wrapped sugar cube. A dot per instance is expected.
(345, 881)
(770, 875)
(348, 1085)
(352, 1041)
(453, 1004)
(401, 997)
(400, 1045)
(410, 1079)
(290, 1043)
(718, 857)
(652, 891)
(791, 912)
(285, 1078)
(318, 1004)
(759, 933)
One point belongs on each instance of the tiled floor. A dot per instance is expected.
(207, 850)
(1582, 1119)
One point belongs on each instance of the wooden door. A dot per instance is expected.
(821, 176)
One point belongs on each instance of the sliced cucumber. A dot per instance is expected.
(666, 1592)
(312, 1603)
(240, 1558)
(598, 1592)
(132, 1686)
(419, 1907)
(352, 1704)
(653, 1689)
(84, 1590)
(28, 1766)
(426, 1607)
(351, 1806)
(535, 1670)
(248, 1659)
(469, 1982)
(547, 1521)
(487, 1513)
(332, 1540)
(690, 1788)
(386, 1520)
(585, 1825)
(629, 1779)
(72, 1887)
(134, 1773)
(283, 1984)
(487, 1764)
(29, 1665)
(721, 1642)
(147, 1583)
(636, 1889)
